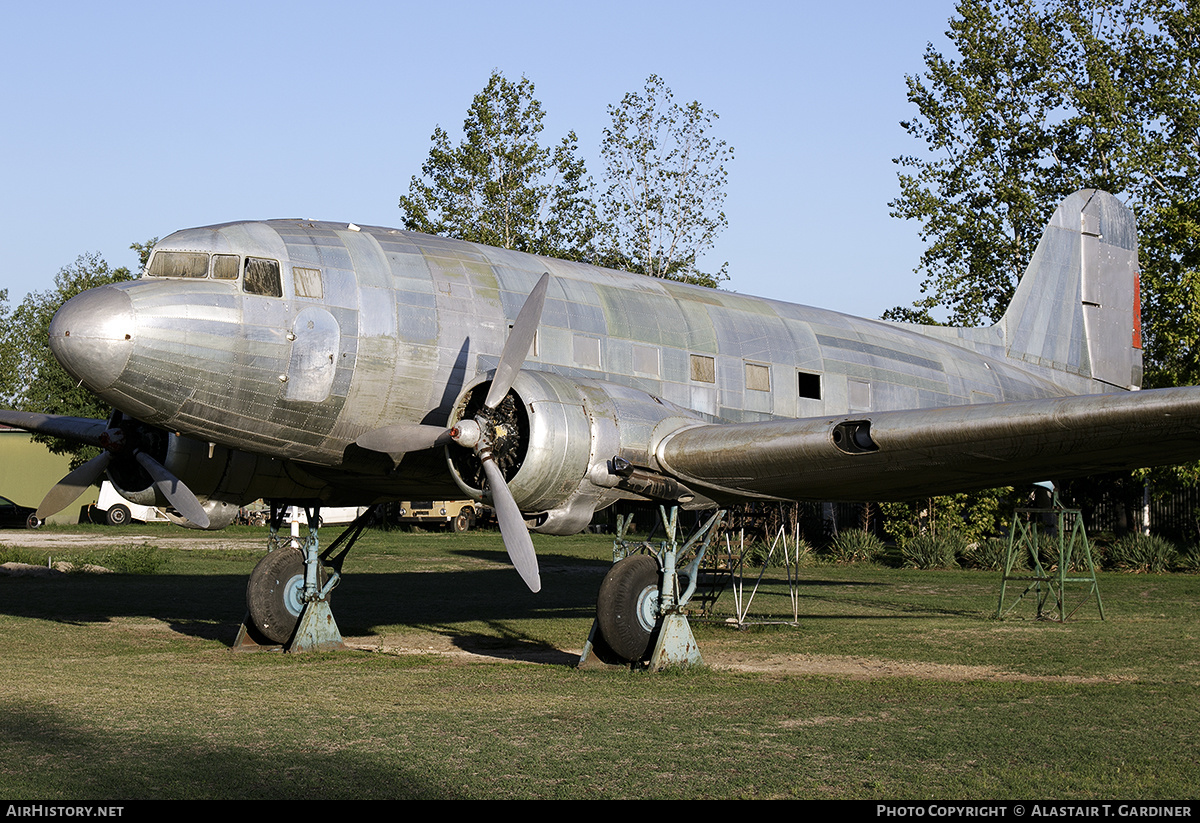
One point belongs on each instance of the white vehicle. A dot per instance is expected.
(120, 512)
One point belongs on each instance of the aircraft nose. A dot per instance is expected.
(92, 336)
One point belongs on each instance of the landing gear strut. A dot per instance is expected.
(640, 620)
(288, 594)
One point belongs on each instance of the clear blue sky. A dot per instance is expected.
(124, 121)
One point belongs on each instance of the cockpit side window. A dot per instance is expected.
(178, 264)
(225, 266)
(307, 282)
(262, 277)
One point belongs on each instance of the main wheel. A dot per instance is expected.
(275, 593)
(118, 515)
(627, 606)
(32, 522)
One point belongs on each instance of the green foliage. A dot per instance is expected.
(1188, 559)
(759, 553)
(666, 184)
(503, 187)
(1040, 98)
(30, 378)
(988, 555)
(1141, 553)
(856, 546)
(929, 551)
(975, 516)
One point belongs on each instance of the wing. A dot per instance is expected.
(899, 455)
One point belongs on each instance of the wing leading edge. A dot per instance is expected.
(898, 455)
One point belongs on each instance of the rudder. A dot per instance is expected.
(1077, 308)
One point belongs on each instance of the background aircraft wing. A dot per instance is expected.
(77, 429)
(897, 455)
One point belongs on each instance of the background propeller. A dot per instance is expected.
(478, 434)
(120, 439)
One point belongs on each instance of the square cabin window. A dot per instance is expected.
(226, 266)
(262, 277)
(808, 385)
(758, 377)
(308, 282)
(704, 369)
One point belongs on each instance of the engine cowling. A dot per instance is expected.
(555, 440)
(223, 479)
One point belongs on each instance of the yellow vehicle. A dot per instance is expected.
(458, 515)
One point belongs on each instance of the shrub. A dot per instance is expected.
(929, 551)
(856, 546)
(990, 555)
(1142, 553)
(1188, 559)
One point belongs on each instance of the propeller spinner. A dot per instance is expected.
(477, 434)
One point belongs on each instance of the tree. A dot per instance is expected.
(1043, 98)
(666, 185)
(30, 378)
(500, 186)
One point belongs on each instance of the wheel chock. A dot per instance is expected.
(317, 631)
(676, 645)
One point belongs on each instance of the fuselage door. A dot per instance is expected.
(316, 338)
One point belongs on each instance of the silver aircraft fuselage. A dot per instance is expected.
(393, 325)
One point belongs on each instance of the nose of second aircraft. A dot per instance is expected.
(92, 336)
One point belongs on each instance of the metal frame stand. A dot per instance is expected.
(791, 565)
(1023, 540)
(675, 645)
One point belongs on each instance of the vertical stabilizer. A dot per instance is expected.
(1077, 309)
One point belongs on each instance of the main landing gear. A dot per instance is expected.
(640, 620)
(287, 597)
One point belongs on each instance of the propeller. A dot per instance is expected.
(477, 433)
(115, 443)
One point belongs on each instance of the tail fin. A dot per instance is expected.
(1078, 308)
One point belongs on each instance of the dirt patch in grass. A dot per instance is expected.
(859, 668)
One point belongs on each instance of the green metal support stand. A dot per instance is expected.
(1049, 587)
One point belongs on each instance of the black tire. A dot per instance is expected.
(118, 515)
(273, 593)
(627, 606)
(32, 522)
(462, 523)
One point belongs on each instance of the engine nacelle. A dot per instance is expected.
(223, 479)
(555, 440)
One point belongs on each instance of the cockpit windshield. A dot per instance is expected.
(178, 264)
(261, 275)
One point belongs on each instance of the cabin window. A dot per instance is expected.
(178, 264)
(808, 385)
(308, 282)
(586, 351)
(704, 369)
(858, 392)
(758, 377)
(645, 360)
(262, 277)
(225, 266)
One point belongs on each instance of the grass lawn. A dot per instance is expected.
(894, 684)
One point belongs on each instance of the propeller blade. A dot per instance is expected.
(73, 485)
(516, 348)
(174, 490)
(513, 528)
(79, 429)
(405, 437)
